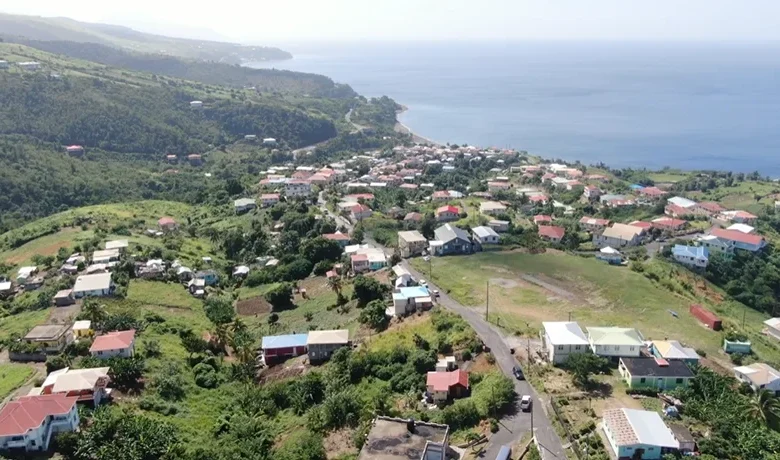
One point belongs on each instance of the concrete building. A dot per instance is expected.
(759, 376)
(614, 342)
(411, 243)
(638, 434)
(322, 344)
(485, 235)
(117, 343)
(656, 373)
(97, 285)
(29, 423)
(402, 439)
(561, 339)
(52, 338)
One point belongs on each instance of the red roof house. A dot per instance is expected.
(669, 223)
(541, 198)
(677, 211)
(167, 223)
(652, 192)
(552, 233)
(447, 213)
(28, 414)
(542, 219)
(446, 385)
(413, 217)
(641, 224)
(441, 195)
(747, 241)
(116, 343)
(711, 207)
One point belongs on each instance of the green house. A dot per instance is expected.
(657, 373)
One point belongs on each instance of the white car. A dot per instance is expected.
(525, 403)
(427, 258)
(423, 283)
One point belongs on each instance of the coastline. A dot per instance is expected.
(403, 129)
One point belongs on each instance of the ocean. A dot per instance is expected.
(682, 105)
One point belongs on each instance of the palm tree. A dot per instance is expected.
(335, 284)
(223, 335)
(94, 312)
(764, 406)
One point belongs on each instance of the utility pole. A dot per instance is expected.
(487, 301)
(569, 316)
(744, 312)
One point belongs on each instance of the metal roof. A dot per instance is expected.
(340, 336)
(285, 341)
(632, 426)
(449, 232)
(564, 333)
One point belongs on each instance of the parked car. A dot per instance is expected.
(525, 403)
(518, 373)
(435, 293)
(427, 258)
(423, 283)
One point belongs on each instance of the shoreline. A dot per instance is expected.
(403, 129)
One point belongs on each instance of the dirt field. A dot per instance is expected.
(252, 307)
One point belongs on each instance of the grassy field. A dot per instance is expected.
(666, 177)
(12, 376)
(749, 196)
(21, 323)
(162, 294)
(593, 293)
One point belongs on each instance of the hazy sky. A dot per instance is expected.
(279, 21)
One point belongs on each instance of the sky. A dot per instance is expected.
(279, 21)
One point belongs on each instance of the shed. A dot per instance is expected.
(683, 435)
(706, 317)
(64, 298)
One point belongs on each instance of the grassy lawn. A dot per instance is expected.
(666, 176)
(21, 323)
(161, 293)
(598, 295)
(12, 376)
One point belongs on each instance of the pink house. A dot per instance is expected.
(552, 233)
(447, 213)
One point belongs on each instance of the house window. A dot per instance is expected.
(631, 348)
(617, 347)
(560, 347)
(32, 442)
(100, 352)
(576, 347)
(679, 380)
(642, 380)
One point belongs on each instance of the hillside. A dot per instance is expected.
(48, 29)
(264, 80)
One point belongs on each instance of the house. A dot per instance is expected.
(715, 244)
(669, 223)
(744, 228)
(492, 208)
(485, 235)
(692, 256)
(451, 240)
(496, 186)
(619, 236)
(682, 202)
(297, 188)
(405, 439)
(359, 263)
(117, 343)
(117, 245)
(442, 386)
(683, 436)
(709, 208)
(499, 226)
(759, 376)
(552, 233)
(572, 184)
(25, 274)
(610, 255)
(196, 104)
(340, 238)
(269, 141)
(82, 329)
(738, 217)
(51, 338)
(559, 182)
(614, 342)
(446, 364)
(410, 299)
(243, 205)
(86, 385)
(269, 199)
(106, 256)
(447, 213)
(562, 339)
(736, 346)
(440, 195)
(591, 192)
(359, 212)
(250, 137)
(593, 224)
(209, 277)
(657, 373)
(172, 159)
(240, 271)
(635, 434)
(538, 199)
(195, 159)
(542, 219)
(64, 298)
(277, 348)
(652, 193)
(29, 65)
(678, 211)
(6, 289)
(366, 258)
(97, 285)
(413, 217)
(772, 328)
(739, 240)
(167, 224)
(322, 344)
(411, 243)
(4, 64)
(672, 350)
(29, 423)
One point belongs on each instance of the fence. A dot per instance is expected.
(575, 447)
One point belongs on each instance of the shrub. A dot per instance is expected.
(205, 376)
(490, 358)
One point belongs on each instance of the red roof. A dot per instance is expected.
(448, 208)
(360, 258)
(640, 224)
(413, 216)
(551, 231)
(28, 412)
(711, 206)
(594, 221)
(116, 340)
(357, 196)
(269, 196)
(441, 194)
(677, 210)
(166, 221)
(744, 215)
(668, 222)
(443, 381)
(409, 186)
(735, 235)
(336, 236)
(536, 198)
(548, 176)
(74, 147)
(542, 218)
(652, 191)
(194, 156)
(360, 208)
(331, 274)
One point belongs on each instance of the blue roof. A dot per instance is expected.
(411, 292)
(636, 187)
(700, 252)
(285, 341)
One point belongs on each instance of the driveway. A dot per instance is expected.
(515, 425)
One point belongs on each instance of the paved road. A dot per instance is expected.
(513, 427)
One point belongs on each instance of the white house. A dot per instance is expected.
(773, 328)
(562, 339)
(25, 274)
(269, 199)
(96, 285)
(638, 434)
(297, 187)
(196, 104)
(106, 256)
(119, 245)
(409, 299)
(619, 236)
(692, 256)
(492, 208)
(615, 342)
(759, 376)
(30, 422)
(116, 343)
(244, 205)
(485, 235)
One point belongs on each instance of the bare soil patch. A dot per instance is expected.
(292, 368)
(253, 306)
(339, 443)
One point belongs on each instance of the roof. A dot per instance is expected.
(640, 224)
(564, 333)
(63, 294)
(413, 216)
(652, 191)
(77, 379)
(484, 232)
(443, 381)
(551, 231)
(711, 206)
(166, 221)
(622, 232)
(614, 336)
(359, 257)
(98, 281)
(411, 236)
(656, 367)
(107, 253)
(738, 215)
(338, 236)
(360, 208)
(773, 323)
(698, 252)
(401, 439)
(448, 208)
(759, 373)
(669, 222)
(29, 412)
(682, 202)
(632, 426)
(269, 196)
(116, 340)
(412, 292)
(744, 228)
(542, 218)
(82, 325)
(244, 202)
(46, 331)
(594, 221)
(284, 341)
(449, 232)
(117, 244)
(491, 206)
(340, 336)
(672, 349)
(734, 235)
(681, 433)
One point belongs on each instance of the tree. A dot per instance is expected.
(582, 365)
(219, 309)
(319, 249)
(427, 226)
(243, 342)
(192, 343)
(93, 311)
(335, 284)
(123, 435)
(302, 446)
(373, 315)
(280, 297)
(169, 383)
(124, 372)
(368, 289)
(57, 362)
(763, 406)
(358, 234)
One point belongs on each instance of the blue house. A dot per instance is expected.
(210, 277)
(451, 240)
(692, 256)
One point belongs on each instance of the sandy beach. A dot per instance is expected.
(403, 129)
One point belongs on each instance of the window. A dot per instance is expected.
(100, 352)
(577, 347)
(560, 347)
(617, 347)
(631, 348)
(679, 381)
(642, 380)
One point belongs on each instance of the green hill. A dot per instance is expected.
(48, 29)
